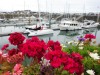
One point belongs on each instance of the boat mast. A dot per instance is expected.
(66, 10)
(39, 12)
(50, 15)
(24, 13)
(98, 16)
(69, 10)
(83, 10)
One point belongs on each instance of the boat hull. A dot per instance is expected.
(41, 32)
(90, 26)
(62, 27)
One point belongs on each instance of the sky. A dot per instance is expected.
(59, 6)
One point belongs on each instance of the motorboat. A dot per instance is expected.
(70, 25)
(44, 31)
(89, 24)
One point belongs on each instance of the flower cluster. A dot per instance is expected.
(34, 48)
(17, 58)
(12, 52)
(56, 58)
(90, 36)
(54, 45)
(16, 38)
(71, 63)
(34, 56)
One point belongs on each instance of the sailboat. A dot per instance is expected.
(41, 31)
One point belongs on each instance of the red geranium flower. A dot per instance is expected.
(54, 45)
(12, 52)
(90, 36)
(34, 48)
(73, 64)
(16, 38)
(56, 63)
(76, 56)
(57, 58)
(5, 46)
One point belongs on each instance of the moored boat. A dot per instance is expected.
(39, 32)
(89, 24)
(70, 25)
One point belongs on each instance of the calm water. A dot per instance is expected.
(61, 36)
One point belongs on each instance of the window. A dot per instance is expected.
(88, 23)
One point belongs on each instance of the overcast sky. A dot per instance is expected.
(51, 5)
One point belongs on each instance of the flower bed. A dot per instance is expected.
(35, 57)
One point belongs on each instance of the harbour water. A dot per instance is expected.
(61, 36)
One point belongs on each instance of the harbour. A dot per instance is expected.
(61, 36)
(50, 37)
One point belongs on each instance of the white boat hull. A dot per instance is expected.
(90, 26)
(62, 27)
(41, 32)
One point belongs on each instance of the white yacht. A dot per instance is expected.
(89, 24)
(39, 32)
(70, 25)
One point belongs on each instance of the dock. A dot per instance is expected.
(7, 34)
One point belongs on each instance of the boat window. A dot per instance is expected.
(64, 23)
(88, 23)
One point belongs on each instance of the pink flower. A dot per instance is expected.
(5, 46)
(6, 73)
(18, 69)
(17, 58)
(16, 38)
